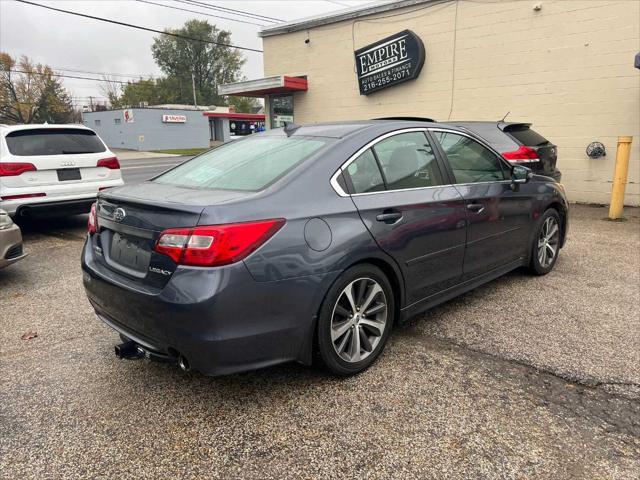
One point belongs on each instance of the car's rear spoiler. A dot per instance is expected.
(506, 127)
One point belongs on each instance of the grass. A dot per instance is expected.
(183, 151)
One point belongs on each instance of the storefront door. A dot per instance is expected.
(280, 110)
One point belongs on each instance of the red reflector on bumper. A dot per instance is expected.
(24, 195)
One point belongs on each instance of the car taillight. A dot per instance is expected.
(11, 169)
(522, 155)
(111, 162)
(92, 223)
(216, 245)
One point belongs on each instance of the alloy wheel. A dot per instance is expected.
(358, 320)
(548, 242)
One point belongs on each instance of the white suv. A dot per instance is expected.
(53, 169)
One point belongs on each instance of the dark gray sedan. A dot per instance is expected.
(311, 242)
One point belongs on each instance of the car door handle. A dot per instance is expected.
(389, 216)
(475, 207)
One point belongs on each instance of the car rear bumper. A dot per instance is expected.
(59, 199)
(220, 319)
(11, 249)
(54, 209)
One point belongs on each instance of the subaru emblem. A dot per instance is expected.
(119, 214)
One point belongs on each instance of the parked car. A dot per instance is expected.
(11, 249)
(311, 240)
(53, 169)
(519, 144)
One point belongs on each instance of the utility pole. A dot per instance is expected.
(90, 103)
(193, 84)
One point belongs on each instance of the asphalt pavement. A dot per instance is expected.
(138, 170)
(526, 377)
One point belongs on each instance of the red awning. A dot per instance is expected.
(265, 86)
(249, 117)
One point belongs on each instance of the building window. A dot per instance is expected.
(117, 121)
(96, 122)
(281, 110)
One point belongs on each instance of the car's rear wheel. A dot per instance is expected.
(546, 244)
(355, 320)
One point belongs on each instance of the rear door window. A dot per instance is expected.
(53, 141)
(249, 165)
(470, 161)
(527, 137)
(408, 161)
(364, 174)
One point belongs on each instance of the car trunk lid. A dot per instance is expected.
(63, 155)
(130, 221)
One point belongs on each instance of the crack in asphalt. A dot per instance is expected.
(586, 381)
(620, 412)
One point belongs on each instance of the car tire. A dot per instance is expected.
(347, 345)
(545, 246)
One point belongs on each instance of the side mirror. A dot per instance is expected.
(520, 174)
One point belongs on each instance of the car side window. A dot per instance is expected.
(470, 161)
(407, 161)
(364, 174)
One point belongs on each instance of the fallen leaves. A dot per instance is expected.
(28, 335)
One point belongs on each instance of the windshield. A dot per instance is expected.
(53, 141)
(250, 164)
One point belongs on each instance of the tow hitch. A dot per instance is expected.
(130, 350)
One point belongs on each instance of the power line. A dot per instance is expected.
(139, 27)
(240, 13)
(132, 75)
(70, 76)
(200, 13)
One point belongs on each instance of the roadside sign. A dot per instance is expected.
(128, 116)
(174, 118)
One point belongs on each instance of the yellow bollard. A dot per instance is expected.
(620, 178)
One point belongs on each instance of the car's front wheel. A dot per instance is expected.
(546, 245)
(355, 320)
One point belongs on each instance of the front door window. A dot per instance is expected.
(470, 161)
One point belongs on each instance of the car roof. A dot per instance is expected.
(346, 128)
(481, 123)
(12, 128)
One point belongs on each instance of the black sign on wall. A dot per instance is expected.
(389, 61)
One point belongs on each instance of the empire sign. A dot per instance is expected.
(389, 61)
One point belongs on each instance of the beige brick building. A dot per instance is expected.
(566, 66)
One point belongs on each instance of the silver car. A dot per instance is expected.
(10, 241)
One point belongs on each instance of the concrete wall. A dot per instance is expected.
(567, 68)
(148, 132)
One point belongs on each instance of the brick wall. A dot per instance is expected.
(567, 68)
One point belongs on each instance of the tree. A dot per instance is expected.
(211, 65)
(112, 89)
(244, 104)
(31, 94)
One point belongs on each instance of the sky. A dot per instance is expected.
(66, 42)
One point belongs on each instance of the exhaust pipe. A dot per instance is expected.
(183, 364)
(128, 350)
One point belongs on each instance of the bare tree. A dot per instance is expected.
(31, 93)
(112, 89)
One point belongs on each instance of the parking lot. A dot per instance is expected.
(526, 377)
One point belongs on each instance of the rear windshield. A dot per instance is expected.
(250, 164)
(53, 141)
(527, 137)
